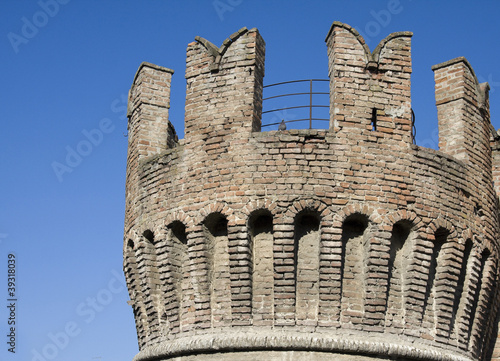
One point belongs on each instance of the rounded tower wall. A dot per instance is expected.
(340, 241)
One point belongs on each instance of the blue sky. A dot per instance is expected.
(67, 66)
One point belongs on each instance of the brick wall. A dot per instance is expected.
(340, 241)
(462, 113)
(369, 91)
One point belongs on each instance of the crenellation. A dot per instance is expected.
(381, 80)
(224, 87)
(350, 240)
(464, 126)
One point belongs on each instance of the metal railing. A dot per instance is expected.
(278, 112)
(308, 106)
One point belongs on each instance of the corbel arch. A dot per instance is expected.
(402, 230)
(356, 226)
(132, 277)
(216, 226)
(260, 229)
(442, 274)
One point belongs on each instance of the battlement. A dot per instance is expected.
(463, 112)
(242, 244)
(370, 91)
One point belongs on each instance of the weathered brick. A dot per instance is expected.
(289, 240)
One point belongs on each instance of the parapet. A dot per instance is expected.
(149, 101)
(345, 242)
(224, 86)
(369, 91)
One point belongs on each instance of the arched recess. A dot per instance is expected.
(178, 224)
(482, 300)
(353, 269)
(176, 268)
(442, 276)
(307, 239)
(135, 293)
(148, 262)
(401, 244)
(292, 226)
(490, 331)
(459, 324)
(215, 230)
(261, 241)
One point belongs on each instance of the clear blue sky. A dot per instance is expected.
(65, 74)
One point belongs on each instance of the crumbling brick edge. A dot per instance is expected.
(272, 340)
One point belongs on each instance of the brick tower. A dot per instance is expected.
(338, 244)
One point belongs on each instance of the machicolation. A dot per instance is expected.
(343, 243)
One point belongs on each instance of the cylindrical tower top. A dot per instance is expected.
(344, 243)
